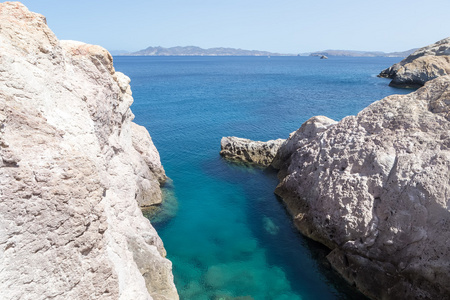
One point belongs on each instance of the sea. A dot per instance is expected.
(226, 233)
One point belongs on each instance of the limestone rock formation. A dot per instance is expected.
(375, 188)
(248, 151)
(72, 167)
(423, 65)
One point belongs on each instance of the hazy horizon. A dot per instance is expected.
(285, 27)
(261, 50)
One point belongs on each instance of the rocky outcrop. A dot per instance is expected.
(275, 153)
(248, 151)
(375, 189)
(423, 65)
(72, 167)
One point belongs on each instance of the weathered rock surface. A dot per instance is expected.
(298, 139)
(423, 65)
(72, 167)
(375, 188)
(248, 151)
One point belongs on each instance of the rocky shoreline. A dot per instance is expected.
(423, 65)
(374, 189)
(74, 170)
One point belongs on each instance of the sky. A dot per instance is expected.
(283, 26)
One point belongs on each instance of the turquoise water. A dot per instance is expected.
(226, 233)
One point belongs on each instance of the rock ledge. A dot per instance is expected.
(248, 151)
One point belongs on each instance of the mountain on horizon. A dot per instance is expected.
(354, 53)
(222, 51)
(197, 51)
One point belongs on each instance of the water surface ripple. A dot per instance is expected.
(226, 233)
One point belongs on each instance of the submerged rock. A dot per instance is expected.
(73, 168)
(269, 226)
(375, 188)
(423, 65)
(248, 151)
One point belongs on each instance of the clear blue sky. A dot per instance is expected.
(286, 26)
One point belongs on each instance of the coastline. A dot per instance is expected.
(371, 187)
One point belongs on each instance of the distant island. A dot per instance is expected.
(361, 53)
(221, 51)
(197, 51)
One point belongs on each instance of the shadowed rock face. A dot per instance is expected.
(423, 65)
(73, 169)
(375, 188)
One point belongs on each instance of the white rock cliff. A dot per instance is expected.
(73, 169)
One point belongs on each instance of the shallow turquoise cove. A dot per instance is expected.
(226, 233)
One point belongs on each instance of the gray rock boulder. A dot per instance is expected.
(72, 167)
(423, 65)
(248, 151)
(375, 189)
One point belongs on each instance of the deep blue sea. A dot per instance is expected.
(227, 234)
